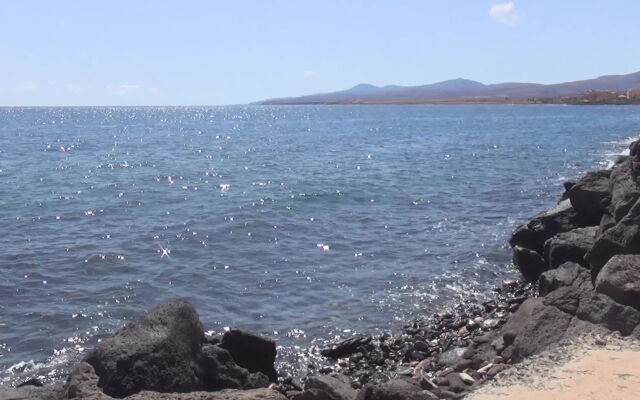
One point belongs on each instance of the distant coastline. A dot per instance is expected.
(610, 89)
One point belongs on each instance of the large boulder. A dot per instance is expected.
(567, 274)
(534, 233)
(569, 246)
(252, 352)
(623, 186)
(396, 389)
(159, 352)
(590, 195)
(620, 280)
(623, 238)
(346, 347)
(529, 262)
(332, 388)
(221, 372)
(533, 327)
(600, 309)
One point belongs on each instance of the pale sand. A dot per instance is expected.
(610, 372)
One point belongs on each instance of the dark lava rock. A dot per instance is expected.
(623, 186)
(534, 233)
(346, 347)
(606, 222)
(567, 274)
(601, 309)
(529, 262)
(31, 392)
(624, 238)
(221, 372)
(456, 384)
(565, 299)
(569, 246)
(397, 389)
(156, 352)
(334, 388)
(620, 280)
(533, 327)
(252, 352)
(590, 195)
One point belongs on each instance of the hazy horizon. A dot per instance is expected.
(213, 53)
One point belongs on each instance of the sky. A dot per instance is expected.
(233, 52)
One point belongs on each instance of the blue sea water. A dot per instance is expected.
(296, 222)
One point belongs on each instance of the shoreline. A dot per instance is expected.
(578, 258)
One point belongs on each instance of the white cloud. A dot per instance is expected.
(126, 88)
(308, 73)
(504, 13)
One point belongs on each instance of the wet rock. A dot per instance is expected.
(533, 327)
(620, 280)
(159, 351)
(590, 195)
(545, 225)
(221, 372)
(346, 347)
(567, 274)
(333, 387)
(529, 262)
(255, 353)
(569, 246)
(623, 186)
(623, 238)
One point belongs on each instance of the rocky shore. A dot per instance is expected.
(580, 263)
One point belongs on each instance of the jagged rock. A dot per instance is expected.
(397, 389)
(623, 186)
(456, 384)
(564, 299)
(345, 347)
(567, 274)
(533, 327)
(623, 238)
(590, 195)
(620, 280)
(156, 352)
(569, 246)
(529, 262)
(545, 225)
(601, 309)
(252, 352)
(334, 388)
(221, 372)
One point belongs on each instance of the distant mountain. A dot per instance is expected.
(463, 90)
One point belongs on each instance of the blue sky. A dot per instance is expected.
(228, 52)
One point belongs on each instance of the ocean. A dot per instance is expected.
(301, 223)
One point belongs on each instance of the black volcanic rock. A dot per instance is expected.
(221, 372)
(159, 351)
(545, 225)
(346, 347)
(567, 274)
(590, 196)
(620, 280)
(252, 352)
(623, 238)
(530, 263)
(623, 186)
(569, 246)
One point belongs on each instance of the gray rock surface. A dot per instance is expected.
(334, 388)
(529, 262)
(158, 351)
(623, 186)
(569, 246)
(590, 196)
(567, 274)
(620, 280)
